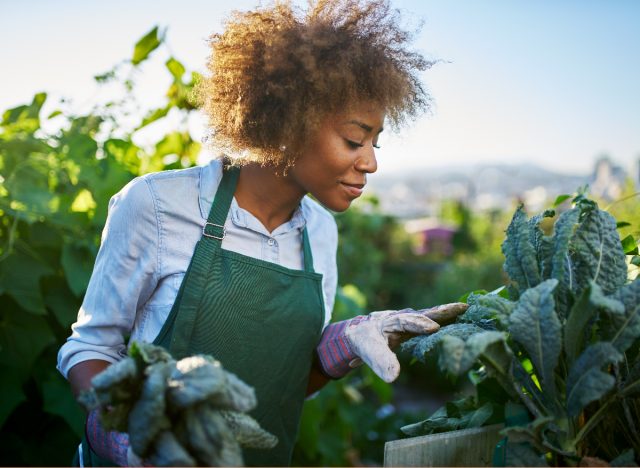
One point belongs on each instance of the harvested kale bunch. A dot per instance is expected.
(177, 413)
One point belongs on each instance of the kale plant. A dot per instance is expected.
(562, 341)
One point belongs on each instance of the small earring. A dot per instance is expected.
(283, 148)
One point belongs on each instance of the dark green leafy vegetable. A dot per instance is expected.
(247, 431)
(565, 345)
(148, 415)
(184, 413)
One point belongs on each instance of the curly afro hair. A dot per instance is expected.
(275, 72)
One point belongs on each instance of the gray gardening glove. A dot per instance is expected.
(371, 338)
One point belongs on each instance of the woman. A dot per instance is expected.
(299, 102)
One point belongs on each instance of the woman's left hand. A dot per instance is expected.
(371, 338)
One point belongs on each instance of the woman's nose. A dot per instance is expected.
(367, 161)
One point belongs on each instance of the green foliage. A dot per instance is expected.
(565, 344)
(54, 192)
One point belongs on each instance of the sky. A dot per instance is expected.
(550, 82)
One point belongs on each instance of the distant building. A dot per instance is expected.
(431, 236)
(608, 180)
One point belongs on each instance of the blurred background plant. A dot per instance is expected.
(57, 174)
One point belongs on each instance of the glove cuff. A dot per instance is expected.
(110, 445)
(335, 351)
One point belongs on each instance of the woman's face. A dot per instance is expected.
(336, 159)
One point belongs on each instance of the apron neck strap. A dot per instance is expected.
(214, 227)
(306, 252)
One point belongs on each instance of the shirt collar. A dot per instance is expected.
(210, 177)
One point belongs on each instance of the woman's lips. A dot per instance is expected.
(354, 190)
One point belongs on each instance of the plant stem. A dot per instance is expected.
(621, 200)
(595, 419)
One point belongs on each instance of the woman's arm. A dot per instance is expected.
(317, 379)
(81, 374)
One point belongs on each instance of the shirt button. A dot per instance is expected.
(271, 242)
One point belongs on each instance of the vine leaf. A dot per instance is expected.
(58, 400)
(20, 275)
(147, 44)
(77, 262)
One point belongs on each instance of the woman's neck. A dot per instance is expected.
(269, 196)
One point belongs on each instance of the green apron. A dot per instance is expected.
(262, 321)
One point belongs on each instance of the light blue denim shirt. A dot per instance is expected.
(151, 231)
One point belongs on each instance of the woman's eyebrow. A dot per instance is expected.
(364, 126)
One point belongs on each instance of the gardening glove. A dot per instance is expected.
(110, 445)
(371, 338)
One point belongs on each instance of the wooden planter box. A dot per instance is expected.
(468, 447)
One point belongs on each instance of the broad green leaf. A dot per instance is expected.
(451, 356)
(586, 381)
(629, 245)
(478, 345)
(520, 256)
(582, 312)
(498, 359)
(458, 356)
(542, 243)
(42, 235)
(535, 325)
(147, 44)
(488, 306)
(11, 391)
(459, 414)
(25, 118)
(20, 275)
(561, 262)
(83, 202)
(154, 115)
(622, 329)
(59, 400)
(176, 68)
(29, 189)
(77, 262)
(560, 199)
(439, 421)
(597, 253)
(60, 300)
(635, 260)
(421, 345)
(82, 149)
(22, 337)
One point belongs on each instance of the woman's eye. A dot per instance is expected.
(376, 146)
(354, 144)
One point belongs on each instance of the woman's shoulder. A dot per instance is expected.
(169, 184)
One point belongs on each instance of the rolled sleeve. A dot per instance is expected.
(124, 276)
